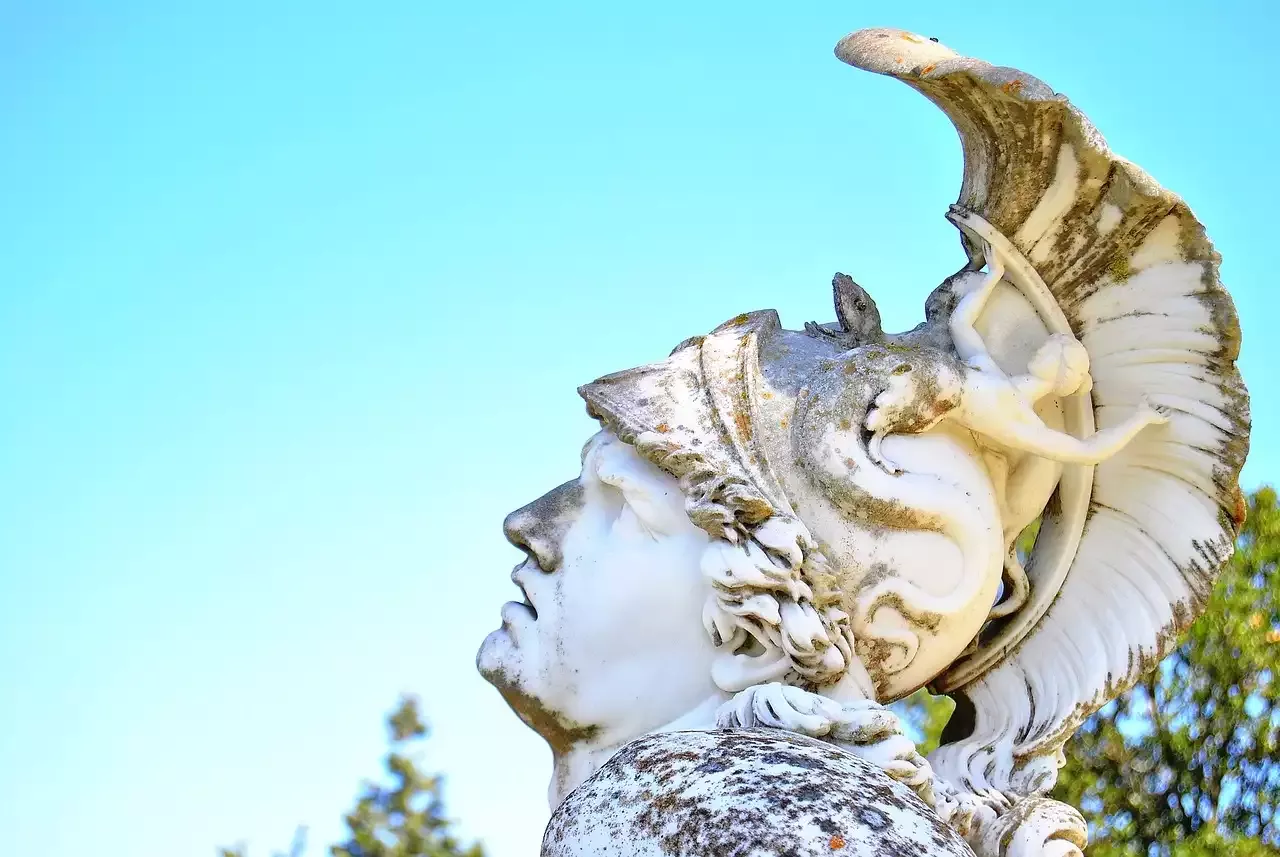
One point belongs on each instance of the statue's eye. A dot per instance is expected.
(632, 522)
(626, 505)
(606, 501)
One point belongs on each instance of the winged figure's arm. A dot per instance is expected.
(964, 334)
(1028, 433)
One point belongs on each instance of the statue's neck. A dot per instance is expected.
(575, 765)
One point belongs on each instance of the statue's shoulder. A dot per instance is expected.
(747, 793)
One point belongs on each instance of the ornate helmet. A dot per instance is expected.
(866, 488)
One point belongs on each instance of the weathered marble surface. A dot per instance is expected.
(719, 793)
(792, 528)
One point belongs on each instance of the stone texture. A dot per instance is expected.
(793, 528)
(744, 793)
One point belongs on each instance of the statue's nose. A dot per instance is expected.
(539, 528)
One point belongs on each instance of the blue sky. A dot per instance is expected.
(294, 298)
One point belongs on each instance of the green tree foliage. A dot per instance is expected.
(1187, 763)
(403, 817)
(925, 715)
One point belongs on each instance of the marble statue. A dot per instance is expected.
(776, 533)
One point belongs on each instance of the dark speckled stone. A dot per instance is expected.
(744, 793)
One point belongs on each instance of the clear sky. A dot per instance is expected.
(294, 297)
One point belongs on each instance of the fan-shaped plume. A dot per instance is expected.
(1136, 279)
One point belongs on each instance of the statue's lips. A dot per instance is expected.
(526, 602)
(514, 611)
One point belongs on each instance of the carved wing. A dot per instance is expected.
(1132, 547)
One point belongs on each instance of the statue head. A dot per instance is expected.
(1062, 363)
(723, 534)
(833, 511)
(607, 643)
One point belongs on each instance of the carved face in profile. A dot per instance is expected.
(806, 524)
(608, 643)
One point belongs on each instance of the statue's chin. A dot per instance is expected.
(502, 653)
(501, 662)
(505, 666)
